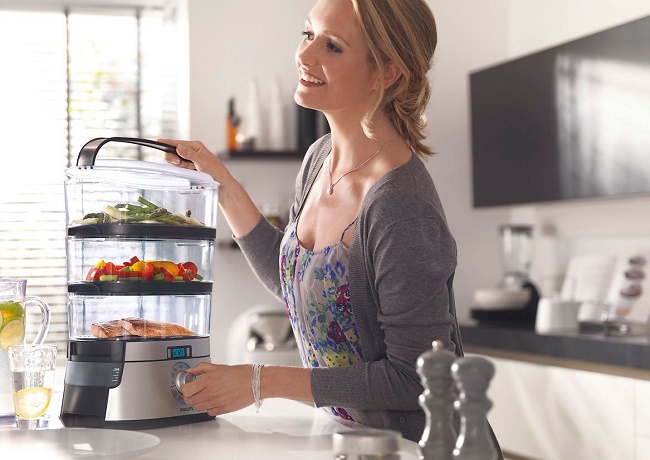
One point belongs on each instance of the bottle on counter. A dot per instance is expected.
(277, 127)
(253, 117)
(232, 126)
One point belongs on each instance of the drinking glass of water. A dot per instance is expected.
(32, 374)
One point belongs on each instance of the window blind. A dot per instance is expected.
(87, 73)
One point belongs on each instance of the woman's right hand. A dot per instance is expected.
(238, 208)
(195, 155)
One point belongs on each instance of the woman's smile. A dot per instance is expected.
(309, 80)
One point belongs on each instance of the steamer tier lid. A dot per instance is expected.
(136, 173)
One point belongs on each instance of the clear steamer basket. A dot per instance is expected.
(127, 213)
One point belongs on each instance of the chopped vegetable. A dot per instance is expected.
(148, 271)
(127, 274)
(108, 278)
(94, 274)
(144, 212)
(189, 268)
(144, 270)
(169, 267)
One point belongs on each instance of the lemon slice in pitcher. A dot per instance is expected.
(12, 333)
(11, 310)
(32, 402)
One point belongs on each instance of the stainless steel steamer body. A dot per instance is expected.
(131, 378)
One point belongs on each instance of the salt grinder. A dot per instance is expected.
(437, 400)
(472, 375)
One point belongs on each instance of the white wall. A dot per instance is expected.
(471, 34)
(233, 40)
(230, 42)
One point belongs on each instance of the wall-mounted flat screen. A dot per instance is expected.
(566, 123)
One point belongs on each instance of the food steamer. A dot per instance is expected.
(140, 244)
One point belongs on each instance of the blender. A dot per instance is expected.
(516, 255)
(139, 248)
(514, 301)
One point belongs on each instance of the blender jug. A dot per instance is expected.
(13, 303)
(516, 254)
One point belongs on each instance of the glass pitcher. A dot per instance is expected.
(13, 302)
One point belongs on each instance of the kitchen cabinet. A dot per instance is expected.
(547, 412)
(642, 418)
(567, 397)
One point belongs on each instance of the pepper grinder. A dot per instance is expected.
(437, 400)
(472, 375)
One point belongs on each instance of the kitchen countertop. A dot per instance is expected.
(622, 355)
(282, 429)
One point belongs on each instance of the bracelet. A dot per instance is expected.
(257, 371)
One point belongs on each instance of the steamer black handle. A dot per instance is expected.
(89, 151)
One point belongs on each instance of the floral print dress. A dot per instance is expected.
(315, 290)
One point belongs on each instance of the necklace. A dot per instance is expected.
(330, 188)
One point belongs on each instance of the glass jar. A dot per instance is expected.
(366, 445)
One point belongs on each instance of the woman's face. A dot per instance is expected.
(332, 59)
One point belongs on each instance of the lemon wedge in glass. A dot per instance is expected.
(32, 402)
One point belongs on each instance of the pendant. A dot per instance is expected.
(330, 189)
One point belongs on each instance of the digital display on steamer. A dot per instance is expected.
(179, 352)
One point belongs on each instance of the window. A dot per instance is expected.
(87, 73)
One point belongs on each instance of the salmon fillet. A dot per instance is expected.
(108, 330)
(146, 328)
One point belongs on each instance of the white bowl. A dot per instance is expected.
(495, 298)
(70, 443)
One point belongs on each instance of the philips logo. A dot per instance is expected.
(187, 409)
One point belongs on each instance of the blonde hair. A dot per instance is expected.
(402, 32)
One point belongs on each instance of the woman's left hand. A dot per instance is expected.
(219, 389)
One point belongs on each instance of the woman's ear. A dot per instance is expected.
(391, 74)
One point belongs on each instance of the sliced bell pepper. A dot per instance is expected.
(138, 266)
(110, 269)
(170, 267)
(166, 275)
(190, 268)
(93, 274)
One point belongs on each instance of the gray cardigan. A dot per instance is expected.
(402, 264)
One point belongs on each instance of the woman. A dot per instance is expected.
(366, 264)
